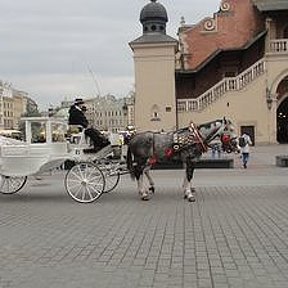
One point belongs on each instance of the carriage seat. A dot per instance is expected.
(76, 128)
(78, 137)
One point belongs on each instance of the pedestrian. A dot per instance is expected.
(245, 143)
(77, 117)
(216, 147)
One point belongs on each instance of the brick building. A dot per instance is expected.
(232, 64)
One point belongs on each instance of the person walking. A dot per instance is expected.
(216, 147)
(245, 143)
(77, 117)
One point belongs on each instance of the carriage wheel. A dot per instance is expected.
(111, 174)
(112, 178)
(85, 182)
(11, 184)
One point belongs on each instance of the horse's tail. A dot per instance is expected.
(129, 162)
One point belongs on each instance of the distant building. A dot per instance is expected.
(107, 113)
(110, 113)
(13, 104)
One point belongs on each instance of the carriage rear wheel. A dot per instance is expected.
(84, 182)
(11, 184)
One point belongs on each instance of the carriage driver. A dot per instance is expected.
(77, 117)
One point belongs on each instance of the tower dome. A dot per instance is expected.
(154, 17)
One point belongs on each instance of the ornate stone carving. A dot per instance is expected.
(225, 6)
(210, 24)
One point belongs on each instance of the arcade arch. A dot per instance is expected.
(282, 111)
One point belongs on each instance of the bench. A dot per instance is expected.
(282, 160)
(202, 163)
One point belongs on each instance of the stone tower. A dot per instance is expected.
(154, 63)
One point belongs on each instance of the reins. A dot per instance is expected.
(198, 136)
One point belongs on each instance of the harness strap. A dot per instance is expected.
(195, 131)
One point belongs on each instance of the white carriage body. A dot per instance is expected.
(28, 158)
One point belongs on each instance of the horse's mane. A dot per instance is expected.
(208, 124)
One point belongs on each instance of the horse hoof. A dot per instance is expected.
(152, 189)
(145, 198)
(191, 199)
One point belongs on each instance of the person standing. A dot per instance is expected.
(245, 143)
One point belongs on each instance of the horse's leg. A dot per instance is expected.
(150, 180)
(188, 190)
(141, 189)
(144, 193)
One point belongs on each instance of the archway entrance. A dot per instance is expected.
(282, 111)
(282, 122)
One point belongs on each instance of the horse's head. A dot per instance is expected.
(222, 129)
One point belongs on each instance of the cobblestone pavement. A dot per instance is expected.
(234, 235)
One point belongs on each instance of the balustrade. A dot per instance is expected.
(217, 91)
(278, 46)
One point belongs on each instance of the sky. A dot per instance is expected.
(59, 50)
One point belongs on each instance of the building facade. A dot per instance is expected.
(233, 64)
(13, 104)
(107, 113)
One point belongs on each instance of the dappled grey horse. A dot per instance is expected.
(186, 145)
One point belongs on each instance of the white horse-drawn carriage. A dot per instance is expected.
(85, 181)
(91, 175)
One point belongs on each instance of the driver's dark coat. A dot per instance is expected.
(77, 117)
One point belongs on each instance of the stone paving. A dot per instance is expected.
(234, 235)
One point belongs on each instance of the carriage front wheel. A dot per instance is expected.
(111, 175)
(11, 184)
(85, 182)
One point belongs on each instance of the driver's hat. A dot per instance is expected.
(78, 101)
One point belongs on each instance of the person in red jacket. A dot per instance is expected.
(77, 117)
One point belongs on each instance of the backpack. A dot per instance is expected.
(242, 142)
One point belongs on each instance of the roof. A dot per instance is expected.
(204, 63)
(153, 38)
(153, 11)
(271, 5)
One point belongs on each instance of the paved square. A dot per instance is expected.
(234, 235)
